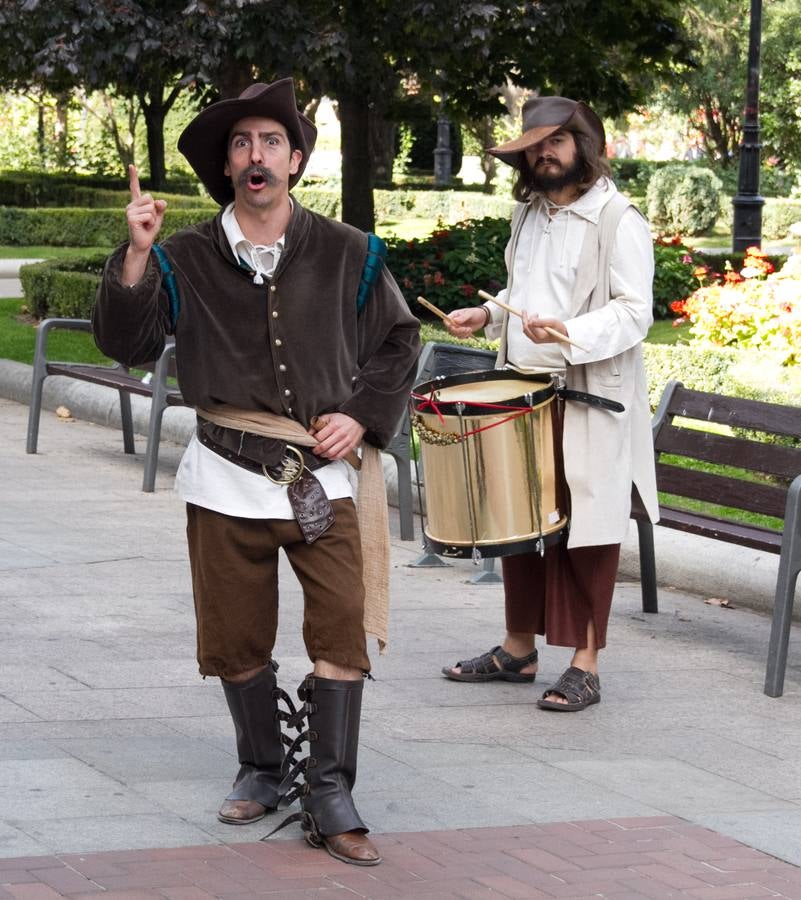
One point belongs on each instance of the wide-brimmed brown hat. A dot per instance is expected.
(544, 115)
(204, 141)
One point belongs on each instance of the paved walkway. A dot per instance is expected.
(114, 754)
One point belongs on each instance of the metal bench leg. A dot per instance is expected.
(37, 387)
(789, 566)
(645, 533)
(127, 422)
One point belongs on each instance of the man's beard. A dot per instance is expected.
(545, 182)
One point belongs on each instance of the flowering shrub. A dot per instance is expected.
(676, 273)
(755, 308)
(449, 267)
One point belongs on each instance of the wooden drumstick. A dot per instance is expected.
(431, 308)
(352, 457)
(516, 312)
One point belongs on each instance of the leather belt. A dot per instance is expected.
(283, 464)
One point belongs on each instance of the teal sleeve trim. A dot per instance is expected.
(373, 264)
(170, 285)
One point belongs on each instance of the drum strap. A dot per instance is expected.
(590, 399)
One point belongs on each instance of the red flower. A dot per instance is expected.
(438, 278)
(679, 306)
(733, 277)
(468, 290)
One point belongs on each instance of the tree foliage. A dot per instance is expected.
(366, 54)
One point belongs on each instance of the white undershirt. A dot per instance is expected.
(204, 477)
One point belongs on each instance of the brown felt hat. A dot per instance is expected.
(204, 141)
(545, 115)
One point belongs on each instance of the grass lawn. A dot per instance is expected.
(18, 338)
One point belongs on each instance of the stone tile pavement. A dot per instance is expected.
(114, 754)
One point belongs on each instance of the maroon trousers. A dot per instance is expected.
(558, 594)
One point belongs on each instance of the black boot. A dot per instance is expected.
(334, 713)
(254, 709)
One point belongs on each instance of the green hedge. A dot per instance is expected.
(80, 227)
(778, 214)
(35, 189)
(62, 287)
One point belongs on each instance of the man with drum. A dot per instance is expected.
(580, 265)
(293, 343)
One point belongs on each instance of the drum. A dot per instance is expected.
(487, 445)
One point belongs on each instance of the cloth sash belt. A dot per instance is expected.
(241, 429)
(281, 462)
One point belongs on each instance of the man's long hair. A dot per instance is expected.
(591, 168)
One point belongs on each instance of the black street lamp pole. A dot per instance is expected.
(747, 231)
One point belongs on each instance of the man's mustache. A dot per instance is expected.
(246, 174)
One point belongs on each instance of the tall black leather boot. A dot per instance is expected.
(334, 713)
(254, 709)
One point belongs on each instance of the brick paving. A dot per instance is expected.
(618, 859)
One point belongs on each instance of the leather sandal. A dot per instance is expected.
(579, 688)
(352, 847)
(485, 668)
(242, 812)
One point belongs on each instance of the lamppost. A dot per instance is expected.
(747, 231)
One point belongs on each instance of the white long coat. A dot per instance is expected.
(605, 453)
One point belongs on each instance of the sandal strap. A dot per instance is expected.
(575, 685)
(485, 664)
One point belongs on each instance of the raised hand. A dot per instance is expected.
(145, 216)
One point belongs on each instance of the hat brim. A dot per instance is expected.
(204, 141)
(511, 151)
(581, 119)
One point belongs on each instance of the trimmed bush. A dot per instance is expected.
(81, 227)
(33, 189)
(62, 287)
(683, 200)
(778, 214)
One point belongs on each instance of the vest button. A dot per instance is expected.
(278, 342)
(282, 368)
(275, 313)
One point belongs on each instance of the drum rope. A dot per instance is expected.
(470, 498)
(431, 436)
(534, 485)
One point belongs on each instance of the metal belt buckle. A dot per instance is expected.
(291, 469)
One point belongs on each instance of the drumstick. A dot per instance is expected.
(431, 308)
(516, 312)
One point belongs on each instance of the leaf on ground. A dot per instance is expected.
(63, 413)
(717, 601)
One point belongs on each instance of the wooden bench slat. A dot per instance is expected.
(745, 535)
(766, 499)
(111, 376)
(769, 459)
(773, 418)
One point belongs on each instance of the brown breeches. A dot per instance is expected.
(235, 582)
(559, 594)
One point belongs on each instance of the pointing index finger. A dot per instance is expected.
(136, 191)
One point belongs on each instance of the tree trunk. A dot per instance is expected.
(381, 146)
(62, 131)
(233, 79)
(155, 111)
(357, 183)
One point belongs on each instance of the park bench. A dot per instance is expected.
(155, 384)
(766, 480)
